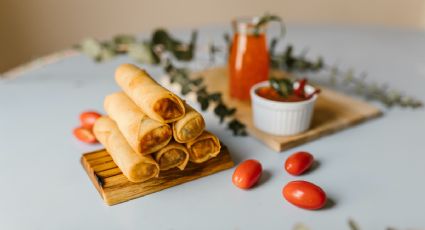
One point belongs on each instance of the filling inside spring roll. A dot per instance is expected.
(171, 159)
(204, 147)
(142, 133)
(136, 167)
(142, 170)
(173, 155)
(154, 138)
(189, 127)
(168, 109)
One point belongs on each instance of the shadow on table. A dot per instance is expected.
(266, 175)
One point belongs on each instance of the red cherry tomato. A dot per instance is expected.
(304, 194)
(247, 174)
(84, 135)
(298, 163)
(88, 118)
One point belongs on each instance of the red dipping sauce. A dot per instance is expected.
(271, 94)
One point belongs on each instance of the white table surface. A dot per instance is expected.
(373, 172)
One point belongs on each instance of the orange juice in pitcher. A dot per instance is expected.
(248, 60)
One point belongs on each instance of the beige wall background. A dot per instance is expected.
(31, 28)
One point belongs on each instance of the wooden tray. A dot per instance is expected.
(114, 187)
(333, 112)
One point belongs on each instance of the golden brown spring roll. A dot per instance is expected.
(172, 155)
(203, 148)
(189, 127)
(153, 99)
(143, 134)
(134, 166)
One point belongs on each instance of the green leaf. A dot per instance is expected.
(215, 96)
(186, 89)
(91, 47)
(124, 39)
(106, 54)
(222, 111)
(266, 18)
(180, 50)
(197, 81)
(140, 52)
(109, 45)
(237, 128)
(161, 37)
(204, 102)
(228, 42)
(283, 86)
(353, 225)
(273, 44)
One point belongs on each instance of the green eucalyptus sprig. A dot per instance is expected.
(267, 18)
(299, 64)
(351, 224)
(181, 51)
(289, 62)
(142, 51)
(206, 99)
(370, 90)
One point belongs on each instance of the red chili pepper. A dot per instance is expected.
(312, 94)
(300, 90)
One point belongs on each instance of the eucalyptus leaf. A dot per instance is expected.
(221, 111)
(181, 51)
(283, 86)
(185, 90)
(197, 81)
(228, 42)
(237, 127)
(91, 47)
(106, 54)
(140, 52)
(124, 39)
(266, 18)
(109, 45)
(215, 96)
(353, 225)
(203, 101)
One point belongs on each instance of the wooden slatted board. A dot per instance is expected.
(333, 112)
(114, 187)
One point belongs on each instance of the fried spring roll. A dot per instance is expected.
(143, 134)
(153, 99)
(136, 167)
(172, 155)
(203, 148)
(189, 127)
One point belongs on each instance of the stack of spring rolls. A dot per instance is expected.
(149, 129)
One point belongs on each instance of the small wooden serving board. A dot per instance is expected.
(114, 187)
(333, 111)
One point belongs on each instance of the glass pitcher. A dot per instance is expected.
(248, 60)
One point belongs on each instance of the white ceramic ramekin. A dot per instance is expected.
(281, 118)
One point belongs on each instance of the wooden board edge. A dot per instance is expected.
(279, 147)
(225, 166)
(327, 132)
(96, 181)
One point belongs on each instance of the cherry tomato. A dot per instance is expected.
(247, 174)
(88, 118)
(298, 163)
(84, 135)
(304, 194)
